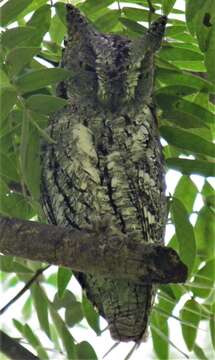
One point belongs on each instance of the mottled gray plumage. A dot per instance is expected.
(107, 159)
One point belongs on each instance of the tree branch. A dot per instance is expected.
(94, 251)
(11, 348)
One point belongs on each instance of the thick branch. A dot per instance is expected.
(91, 251)
(11, 348)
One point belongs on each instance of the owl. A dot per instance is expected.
(106, 159)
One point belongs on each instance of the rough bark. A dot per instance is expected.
(90, 251)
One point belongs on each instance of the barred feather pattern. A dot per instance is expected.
(107, 160)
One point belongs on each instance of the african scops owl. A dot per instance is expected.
(107, 158)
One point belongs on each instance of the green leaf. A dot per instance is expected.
(20, 268)
(167, 290)
(41, 306)
(55, 338)
(199, 352)
(202, 99)
(210, 201)
(14, 37)
(192, 12)
(107, 21)
(178, 291)
(207, 189)
(52, 280)
(27, 309)
(186, 192)
(171, 77)
(209, 56)
(45, 104)
(190, 65)
(174, 103)
(65, 335)
(184, 120)
(66, 300)
(200, 20)
(173, 53)
(133, 26)
(25, 131)
(160, 344)
(16, 205)
(190, 333)
(40, 20)
(212, 331)
(61, 12)
(73, 314)
(57, 30)
(187, 141)
(205, 232)
(8, 169)
(50, 56)
(137, 14)
(11, 9)
(91, 6)
(34, 118)
(8, 97)
(167, 6)
(53, 47)
(19, 57)
(18, 325)
(184, 37)
(85, 351)
(63, 277)
(188, 167)
(31, 165)
(184, 233)
(35, 4)
(5, 82)
(8, 264)
(165, 308)
(177, 90)
(39, 78)
(30, 336)
(174, 30)
(204, 279)
(91, 315)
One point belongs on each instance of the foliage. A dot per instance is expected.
(185, 93)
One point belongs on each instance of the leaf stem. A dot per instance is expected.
(24, 289)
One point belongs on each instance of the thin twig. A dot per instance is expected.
(174, 302)
(165, 338)
(166, 314)
(151, 7)
(24, 289)
(112, 347)
(119, 7)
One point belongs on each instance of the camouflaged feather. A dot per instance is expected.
(107, 159)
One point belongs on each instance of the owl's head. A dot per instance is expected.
(111, 69)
